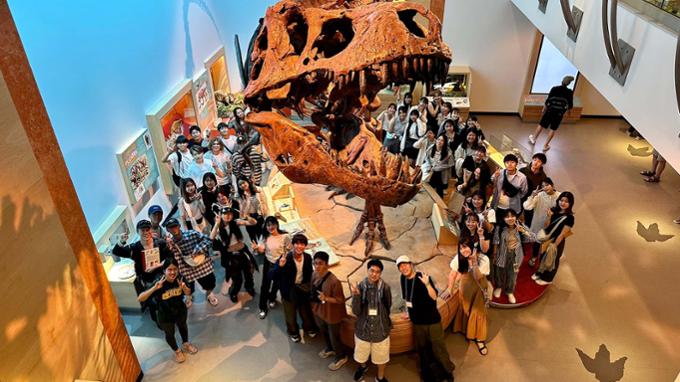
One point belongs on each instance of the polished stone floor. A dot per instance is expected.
(614, 288)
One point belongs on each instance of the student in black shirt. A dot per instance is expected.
(148, 255)
(559, 101)
(420, 294)
(209, 195)
(168, 293)
(476, 173)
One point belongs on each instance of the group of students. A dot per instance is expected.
(220, 194)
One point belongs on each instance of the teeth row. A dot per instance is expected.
(391, 167)
(405, 69)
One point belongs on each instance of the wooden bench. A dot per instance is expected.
(531, 109)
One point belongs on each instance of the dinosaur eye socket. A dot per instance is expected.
(262, 42)
(335, 35)
(297, 29)
(407, 18)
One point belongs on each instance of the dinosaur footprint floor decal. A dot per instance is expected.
(601, 365)
(651, 233)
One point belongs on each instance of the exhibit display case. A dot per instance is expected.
(456, 88)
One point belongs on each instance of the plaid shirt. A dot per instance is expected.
(191, 242)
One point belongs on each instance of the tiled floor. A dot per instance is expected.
(614, 288)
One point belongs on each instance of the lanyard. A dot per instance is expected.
(413, 287)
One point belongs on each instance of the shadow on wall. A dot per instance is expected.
(189, 67)
(50, 327)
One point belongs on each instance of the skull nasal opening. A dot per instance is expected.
(335, 35)
(407, 16)
(297, 29)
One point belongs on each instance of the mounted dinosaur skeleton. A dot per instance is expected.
(328, 60)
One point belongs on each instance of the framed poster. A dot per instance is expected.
(139, 169)
(169, 119)
(204, 101)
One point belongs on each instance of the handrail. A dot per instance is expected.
(568, 17)
(619, 52)
(615, 34)
(605, 32)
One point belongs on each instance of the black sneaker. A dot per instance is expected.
(359, 373)
(295, 337)
(234, 298)
(251, 291)
(312, 334)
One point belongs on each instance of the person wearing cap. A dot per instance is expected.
(235, 257)
(559, 101)
(371, 304)
(509, 188)
(191, 249)
(179, 159)
(155, 213)
(294, 272)
(420, 296)
(148, 254)
(328, 305)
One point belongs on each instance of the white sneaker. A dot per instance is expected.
(189, 302)
(511, 298)
(262, 315)
(212, 299)
(272, 304)
(532, 140)
(542, 282)
(497, 292)
(225, 289)
(535, 276)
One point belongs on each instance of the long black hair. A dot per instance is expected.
(445, 149)
(570, 197)
(251, 188)
(272, 220)
(234, 229)
(464, 143)
(182, 188)
(464, 262)
(411, 122)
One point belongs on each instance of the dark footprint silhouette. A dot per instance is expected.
(651, 234)
(641, 152)
(601, 366)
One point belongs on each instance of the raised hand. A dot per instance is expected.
(159, 283)
(425, 278)
(480, 231)
(282, 261)
(354, 288)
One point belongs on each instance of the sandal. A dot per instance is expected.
(546, 148)
(482, 349)
(652, 179)
(647, 173)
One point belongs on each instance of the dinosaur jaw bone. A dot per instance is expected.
(361, 167)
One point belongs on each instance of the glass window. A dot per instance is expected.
(551, 67)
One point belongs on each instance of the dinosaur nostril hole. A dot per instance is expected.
(297, 32)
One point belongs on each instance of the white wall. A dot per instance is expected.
(496, 41)
(647, 100)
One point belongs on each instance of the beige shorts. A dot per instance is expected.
(378, 351)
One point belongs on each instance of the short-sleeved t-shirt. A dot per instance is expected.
(170, 301)
(424, 309)
(569, 221)
(482, 261)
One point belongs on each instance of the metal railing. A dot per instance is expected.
(670, 6)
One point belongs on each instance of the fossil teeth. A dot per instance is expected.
(405, 66)
(373, 170)
(417, 176)
(352, 74)
(362, 82)
(385, 74)
(395, 69)
(429, 65)
(422, 63)
(381, 168)
(416, 66)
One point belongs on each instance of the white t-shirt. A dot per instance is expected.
(221, 159)
(181, 168)
(275, 247)
(482, 261)
(229, 143)
(196, 171)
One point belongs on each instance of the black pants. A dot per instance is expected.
(331, 334)
(255, 231)
(269, 286)
(207, 282)
(141, 286)
(437, 182)
(239, 269)
(429, 339)
(291, 310)
(169, 330)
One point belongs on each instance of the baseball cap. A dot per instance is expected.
(172, 222)
(143, 224)
(154, 209)
(403, 259)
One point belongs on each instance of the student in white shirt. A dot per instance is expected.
(415, 129)
(221, 159)
(201, 166)
(179, 159)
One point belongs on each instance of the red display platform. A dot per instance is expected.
(526, 290)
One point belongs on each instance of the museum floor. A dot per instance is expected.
(615, 288)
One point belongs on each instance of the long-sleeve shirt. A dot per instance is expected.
(437, 164)
(540, 204)
(137, 253)
(506, 257)
(372, 309)
(416, 131)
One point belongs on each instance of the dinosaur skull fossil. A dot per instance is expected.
(328, 60)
